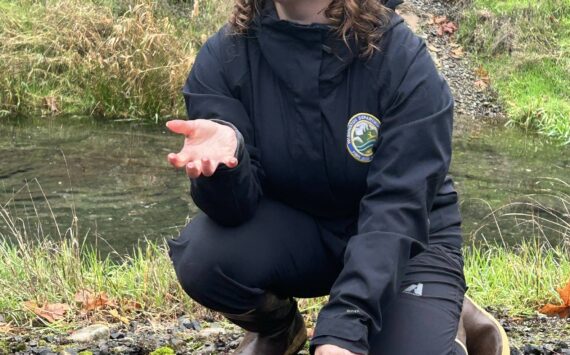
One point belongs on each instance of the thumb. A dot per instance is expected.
(181, 127)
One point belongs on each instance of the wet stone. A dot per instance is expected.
(91, 333)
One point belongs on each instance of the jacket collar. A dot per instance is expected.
(299, 54)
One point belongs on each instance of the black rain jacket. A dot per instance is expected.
(290, 90)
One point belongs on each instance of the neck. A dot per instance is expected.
(302, 11)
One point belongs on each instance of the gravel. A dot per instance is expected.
(471, 100)
(530, 335)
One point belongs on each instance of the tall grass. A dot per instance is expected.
(525, 46)
(51, 267)
(107, 58)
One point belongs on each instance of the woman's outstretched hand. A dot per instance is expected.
(207, 145)
(332, 350)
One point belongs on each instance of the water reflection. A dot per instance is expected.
(115, 179)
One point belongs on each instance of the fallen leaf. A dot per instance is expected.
(457, 53)
(433, 48)
(6, 328)
(446, 27)
(131, 305)
(438, 20)
(563, 310)
(90, 301)
(483, 80)
(481, 85)
(49, 311)
(115, 314)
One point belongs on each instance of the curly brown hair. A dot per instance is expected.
(359, 19)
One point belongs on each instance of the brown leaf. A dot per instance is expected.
(115, 314)
(439, 20)
(6, 328)
(49, 311)
(481, 84)
(130, 305)
(554, 310)
(565, 294)
(457, 53)
(563, 310)
(433, 48)
(90, 301)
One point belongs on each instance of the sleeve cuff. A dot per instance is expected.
(348, 334)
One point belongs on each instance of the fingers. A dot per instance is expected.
(194, 169)
(178, 160)
(209, 166)
(230, 162)
(204, 166)
(181, 127)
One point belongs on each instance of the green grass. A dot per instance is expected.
(53, 268)
(105, 58)
(525, 47)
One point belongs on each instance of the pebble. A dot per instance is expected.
(211, 332)
(91, 333)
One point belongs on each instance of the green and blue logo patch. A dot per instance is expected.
(361, 136)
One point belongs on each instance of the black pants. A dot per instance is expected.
(289, 253)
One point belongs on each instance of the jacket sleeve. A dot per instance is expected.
(230, 196)
(408, 168)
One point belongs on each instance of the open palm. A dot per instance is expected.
(207, 145)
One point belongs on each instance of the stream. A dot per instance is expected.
(113, 180)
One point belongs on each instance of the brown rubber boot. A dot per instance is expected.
(275, 328)
(480, 333)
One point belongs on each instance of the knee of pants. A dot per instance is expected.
(203, 268)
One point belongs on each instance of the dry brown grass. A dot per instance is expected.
(80, 57)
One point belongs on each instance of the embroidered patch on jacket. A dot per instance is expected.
(361, 136)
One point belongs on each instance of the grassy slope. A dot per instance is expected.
(525, 46)
(105, 58)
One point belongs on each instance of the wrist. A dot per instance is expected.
(235, 136)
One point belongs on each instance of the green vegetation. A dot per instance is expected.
(525, 47)
(165, 350)
(52, 269)
(106, 58)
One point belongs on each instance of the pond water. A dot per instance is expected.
(114, 178)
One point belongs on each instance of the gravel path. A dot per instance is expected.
(473, 96)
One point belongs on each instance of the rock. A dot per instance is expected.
(186, 323)
(69, 351)
(211, 332)
(91, 333)
(117, 335)
(208, 349)
(532, 350)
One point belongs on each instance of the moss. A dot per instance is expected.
(165, 350)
